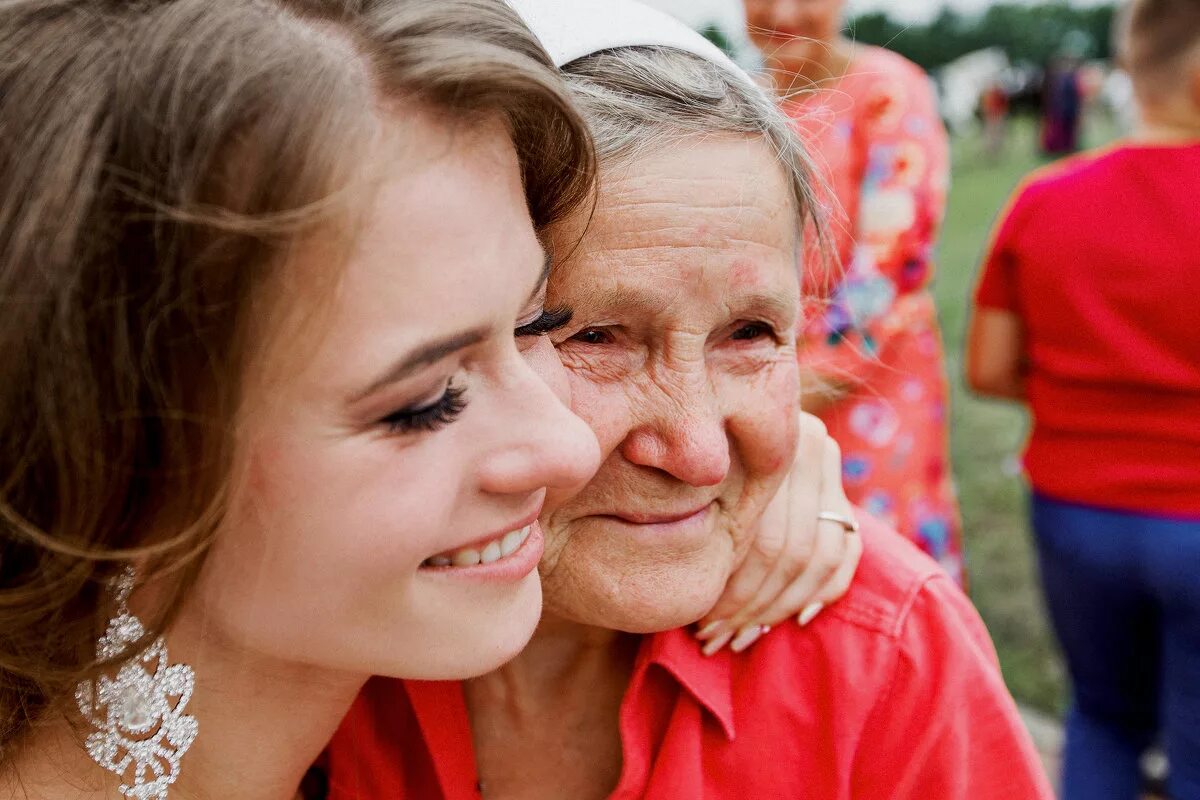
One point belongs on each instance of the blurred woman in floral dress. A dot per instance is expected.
(874, 351)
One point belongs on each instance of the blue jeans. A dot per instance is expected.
(1123, 591)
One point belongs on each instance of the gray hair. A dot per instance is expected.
(641, 99)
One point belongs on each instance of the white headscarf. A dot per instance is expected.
(571, 29)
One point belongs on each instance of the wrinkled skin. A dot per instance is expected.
(682, 359)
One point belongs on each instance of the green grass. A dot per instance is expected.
(986, 436)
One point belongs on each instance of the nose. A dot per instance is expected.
(540, 442)
(683, 436)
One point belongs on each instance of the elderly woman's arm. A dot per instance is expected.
(797, 563)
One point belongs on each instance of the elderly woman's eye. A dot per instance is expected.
(752, 330)
(592, 336)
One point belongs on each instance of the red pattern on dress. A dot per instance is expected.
(877, 139)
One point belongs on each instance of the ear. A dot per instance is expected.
(1194, 87)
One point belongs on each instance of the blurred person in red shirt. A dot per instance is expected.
(1086, 312)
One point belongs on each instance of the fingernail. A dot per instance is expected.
(717, 643)
(709, 629)
(809, 613)
(746, 637)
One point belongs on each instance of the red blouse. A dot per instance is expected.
(892, 693)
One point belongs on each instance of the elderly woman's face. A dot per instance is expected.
(681, 357)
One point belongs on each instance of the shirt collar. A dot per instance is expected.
(709, 679)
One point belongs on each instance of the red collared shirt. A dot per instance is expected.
(893, 693)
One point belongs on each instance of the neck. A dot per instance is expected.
(561, 654)
(547, 724)
(825, 63)
(262, 723)
(1169, 118)
(1167, 132)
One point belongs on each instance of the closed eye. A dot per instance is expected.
(751, 331)
(432, 417)
(550, 320)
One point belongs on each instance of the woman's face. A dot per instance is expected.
(397, 444)
(793, 33)
(681, 357)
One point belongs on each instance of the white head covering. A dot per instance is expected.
(571, 29)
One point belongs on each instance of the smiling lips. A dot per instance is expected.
(637, 518)
(485, 553)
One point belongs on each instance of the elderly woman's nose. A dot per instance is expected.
(541, 443)
(687, 440)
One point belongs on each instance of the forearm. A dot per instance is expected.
(996, 362)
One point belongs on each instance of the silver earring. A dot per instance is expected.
(139, 732)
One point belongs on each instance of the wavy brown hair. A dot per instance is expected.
(157, 159)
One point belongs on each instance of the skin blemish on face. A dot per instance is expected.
(744, 275)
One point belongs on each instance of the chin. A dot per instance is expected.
(651, 606)
(468, 639)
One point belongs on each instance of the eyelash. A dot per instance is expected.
(446, 408)
(759, 329)
(433, 417)
(550, 320)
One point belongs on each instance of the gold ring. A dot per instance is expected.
(849, 523)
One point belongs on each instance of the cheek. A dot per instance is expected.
(333, 519)
(604, 407)
(765, 422)
(759, 18)
(831, 19)
(543, 360)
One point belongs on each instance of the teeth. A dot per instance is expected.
(494, 550)
(512, 540)
(490, 553)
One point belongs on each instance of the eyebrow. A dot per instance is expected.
(423, 356)
(435, 351)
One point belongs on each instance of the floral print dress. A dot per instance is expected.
(877, 139)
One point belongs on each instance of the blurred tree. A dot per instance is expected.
(1028, 33)
(717, 36)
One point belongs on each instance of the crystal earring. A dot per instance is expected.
(141, 730)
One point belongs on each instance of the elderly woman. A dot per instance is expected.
(681, 356)
(876, 348)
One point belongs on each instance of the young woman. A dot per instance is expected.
(260, 268)
(265, 428)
